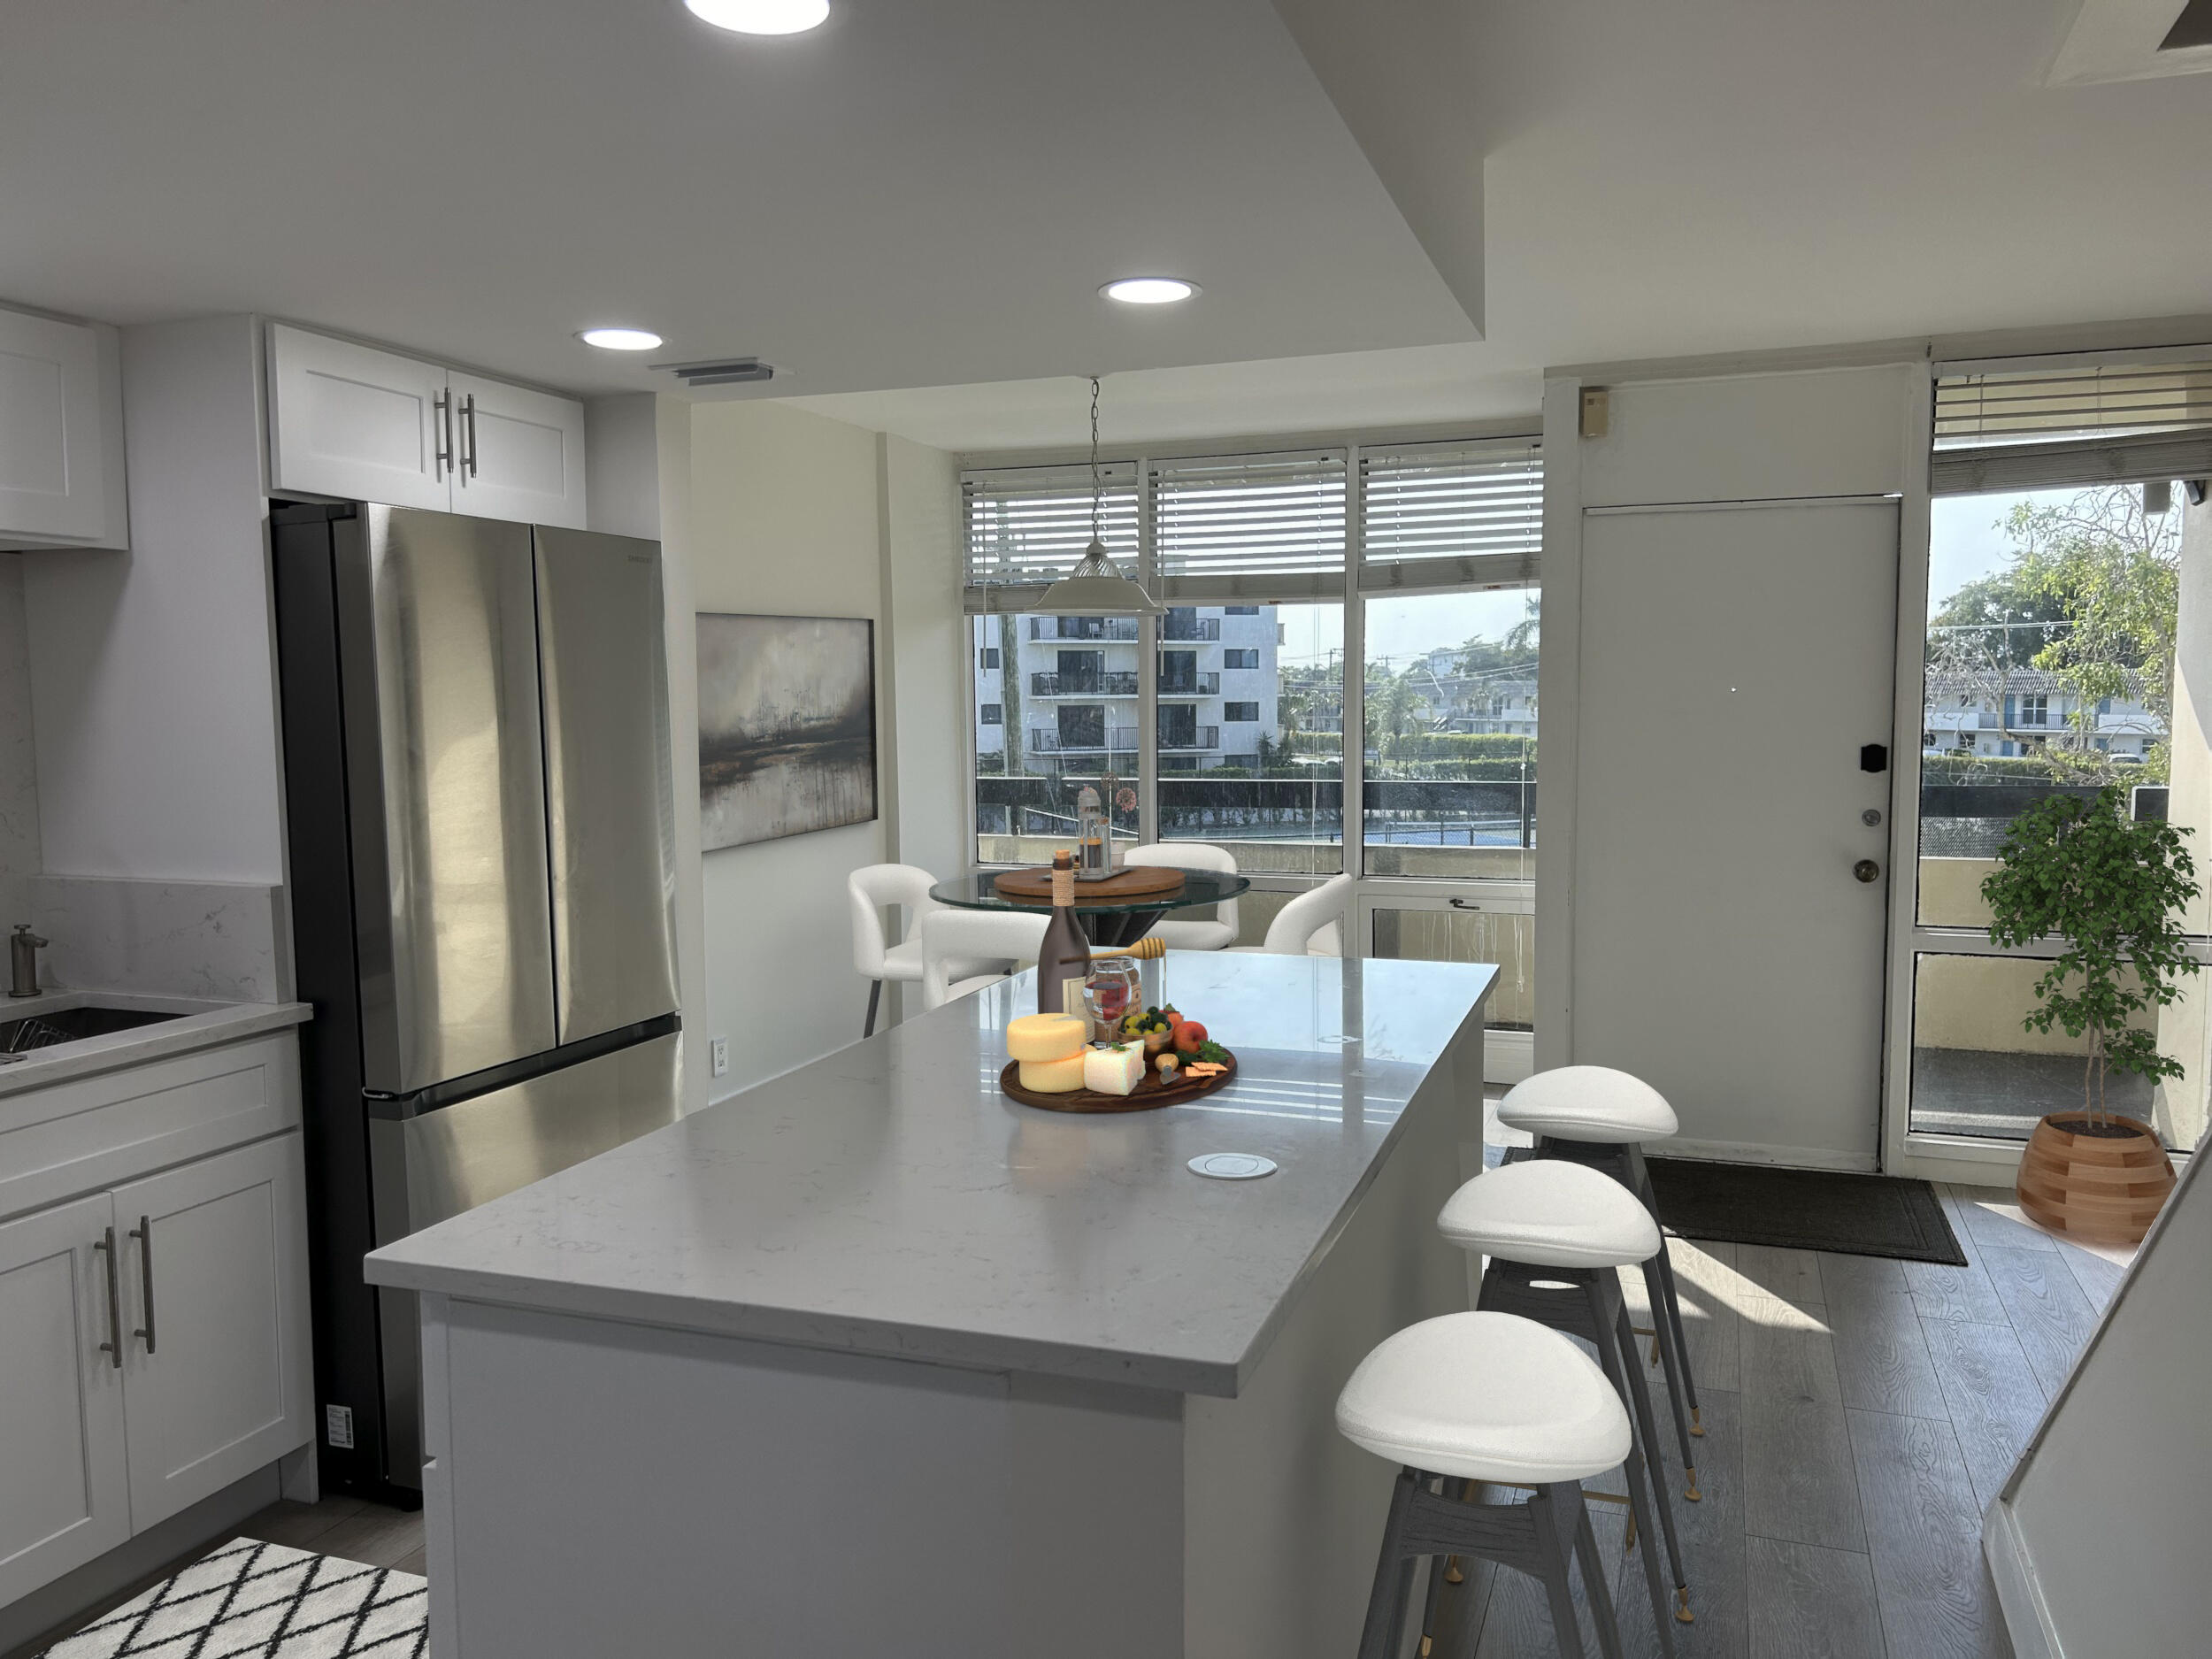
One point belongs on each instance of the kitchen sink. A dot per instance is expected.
(19, 1037)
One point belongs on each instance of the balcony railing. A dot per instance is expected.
(1116, 739)
(1205, 685)
(1192, 738)
(1175, 627)
(1087, 629)
(1105, 682)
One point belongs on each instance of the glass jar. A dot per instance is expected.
(1111, 991)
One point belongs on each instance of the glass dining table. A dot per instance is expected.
(1107, 920)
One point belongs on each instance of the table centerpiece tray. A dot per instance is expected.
(1137, 881)
(1148, 1095)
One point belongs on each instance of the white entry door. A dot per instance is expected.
(1727, 946)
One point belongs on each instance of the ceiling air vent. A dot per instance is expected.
(722, 372)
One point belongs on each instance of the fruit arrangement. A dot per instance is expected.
(1174, 1042)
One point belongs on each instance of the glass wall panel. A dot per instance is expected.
(1251, 736)
(1451, 734)
(1055, 706)
(1504, 937)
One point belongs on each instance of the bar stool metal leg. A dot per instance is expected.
(1618, 1359)
(1641, 1184)
(1385, 1631)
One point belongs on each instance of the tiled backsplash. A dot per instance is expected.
(210, 938)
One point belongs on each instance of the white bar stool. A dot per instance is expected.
(1556, 1234)
(1597, 1116)
(1486, 1396)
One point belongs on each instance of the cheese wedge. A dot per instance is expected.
(1113, 1071)
(1063, 1076)
(1046, 1036)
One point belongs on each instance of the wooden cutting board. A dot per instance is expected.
(1138, 881)
(1145, 1097)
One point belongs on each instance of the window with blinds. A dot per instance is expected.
(1027, 525)
(1436, 515)
(1252, 526)
(2041, 426)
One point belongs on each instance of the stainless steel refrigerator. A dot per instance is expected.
(483, 883)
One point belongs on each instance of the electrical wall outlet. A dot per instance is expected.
(721, 1051)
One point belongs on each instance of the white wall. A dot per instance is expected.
(153, 672)
(18, 764)
(920, 512)
(2097, 1541)
(796, 515)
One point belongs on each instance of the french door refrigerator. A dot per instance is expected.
(478, 806)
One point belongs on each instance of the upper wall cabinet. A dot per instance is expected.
(350, 420)
(61, 434)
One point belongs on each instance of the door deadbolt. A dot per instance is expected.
(1871, 818)
(1867, 870)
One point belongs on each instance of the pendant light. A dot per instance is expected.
(1095, 587)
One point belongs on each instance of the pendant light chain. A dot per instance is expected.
(1098, 488)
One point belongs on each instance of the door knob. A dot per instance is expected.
(1867, 870)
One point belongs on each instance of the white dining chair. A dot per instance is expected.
(1311, 925)
(965, 950)
(1217, 934)
(871, 889)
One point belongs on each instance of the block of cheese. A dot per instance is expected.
(1046, 1036)
(1113, 1071)
(1063, 1076)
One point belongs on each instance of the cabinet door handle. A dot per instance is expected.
(468, 409)
(443, 461)
(144, 1234)
(114, 1347)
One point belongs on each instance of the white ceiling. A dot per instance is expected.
(1723, 176)
(923, 195)
(922, 191)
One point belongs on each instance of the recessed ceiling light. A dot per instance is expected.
(1150, 290)
(761, 17)
(621, 338)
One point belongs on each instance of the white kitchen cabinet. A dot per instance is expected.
(521, 453)
(217, 1377)
(350, 420)
(65, 1485)
(61, 434)
(355, 421)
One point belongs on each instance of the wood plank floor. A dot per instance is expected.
(1860, 1414)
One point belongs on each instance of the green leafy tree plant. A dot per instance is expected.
(2109, 888)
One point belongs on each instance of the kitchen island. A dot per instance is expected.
(870, 1359)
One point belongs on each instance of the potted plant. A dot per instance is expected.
(2109, 887)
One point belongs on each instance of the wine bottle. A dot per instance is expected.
(1063, 958)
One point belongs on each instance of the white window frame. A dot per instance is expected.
(1509, 1055)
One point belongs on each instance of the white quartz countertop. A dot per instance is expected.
(890, 1199)
(202, 1024)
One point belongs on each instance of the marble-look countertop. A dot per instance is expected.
(889, 1199)
(201, 1024)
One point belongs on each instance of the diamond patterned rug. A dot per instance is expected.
(254, 1601)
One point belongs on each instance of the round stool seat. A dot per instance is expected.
(1550, 1213)
(1486, 1396)
(1587, 1102)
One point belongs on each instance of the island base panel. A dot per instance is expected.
(597, 1487)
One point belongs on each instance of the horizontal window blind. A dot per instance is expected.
(2072, 426)
(1251, 527)
(2095, 400)
(1448, 514)
(1027, 525)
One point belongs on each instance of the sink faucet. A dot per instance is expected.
(23, 949)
